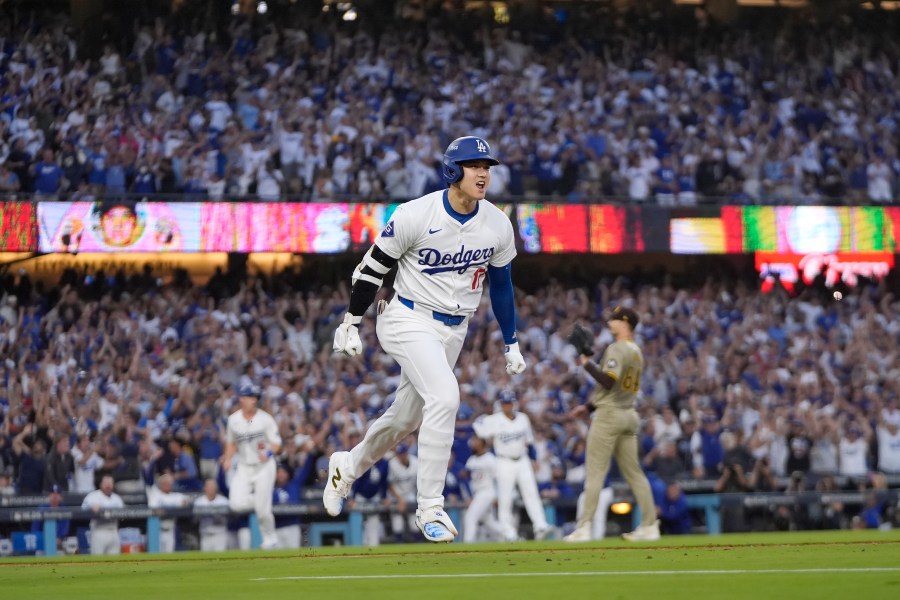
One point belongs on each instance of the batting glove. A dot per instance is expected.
(515, 362)
(346, 337)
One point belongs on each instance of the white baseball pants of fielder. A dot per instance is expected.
(518, 473)
(289, 536)
(105, 540)
(167, 538)
(481, 510)
(598, 525)
(214, 541)
(427, 397)
(251, 489)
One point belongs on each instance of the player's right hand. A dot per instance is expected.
(346, 337)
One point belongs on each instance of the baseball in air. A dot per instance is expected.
(838, 296)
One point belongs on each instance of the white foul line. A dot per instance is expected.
(588, 573)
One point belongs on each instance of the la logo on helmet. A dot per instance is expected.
(481, 146)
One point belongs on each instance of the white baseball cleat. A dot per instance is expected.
(545, 533)
(644, 533)
(436, 525)
(581, 534)
(337, 486)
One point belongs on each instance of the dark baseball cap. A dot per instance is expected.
(621, 313)
(506, 396)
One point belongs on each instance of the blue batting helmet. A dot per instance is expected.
(462, 150)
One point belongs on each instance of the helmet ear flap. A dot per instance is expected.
(452, 172)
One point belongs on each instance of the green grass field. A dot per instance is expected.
(861, 565)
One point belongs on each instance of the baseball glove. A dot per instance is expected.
(582, 338)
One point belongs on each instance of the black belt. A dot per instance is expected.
(449, 320)
(510, 457)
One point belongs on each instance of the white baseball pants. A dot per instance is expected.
(167, 537)
(518, 473)
(214, 541)
(105, 541)
(289, 536)
(428, 396)
(251, 489)
(481, 510)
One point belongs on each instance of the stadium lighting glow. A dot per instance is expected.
(350, 15)
(620, 508)
(262, 8)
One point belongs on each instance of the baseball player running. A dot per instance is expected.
(511, 433)
(443, 244)
(482, 469)
(614, 428)
(253, 435)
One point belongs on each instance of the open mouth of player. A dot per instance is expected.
(480, 185)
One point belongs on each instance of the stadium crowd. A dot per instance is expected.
(746, 391)
(657, 106)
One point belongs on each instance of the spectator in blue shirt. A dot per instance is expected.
(287, 491)
(62, 525)
(209, 441)
(32, 462)
(674, 516)
(47, 174)
(9, 181)
(711, 446)
(144, 181)
(370, 490)
(96, 165)
(184, 468)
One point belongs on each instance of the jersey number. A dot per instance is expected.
(478, 277)
(632, 380)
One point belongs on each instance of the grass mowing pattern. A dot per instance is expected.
(820, 565)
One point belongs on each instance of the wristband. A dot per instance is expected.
(269, 454)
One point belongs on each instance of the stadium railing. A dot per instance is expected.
(20, 510)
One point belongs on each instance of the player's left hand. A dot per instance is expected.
(515, 362)
(346, 337)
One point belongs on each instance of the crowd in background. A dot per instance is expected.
(582, 104)
(743, 390)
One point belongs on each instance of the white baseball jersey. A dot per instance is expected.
(442, 262)
(482, 472)
(212, 524)
(853, 457)
(98, 498)
(403, 477)
(83, 478)
(888, 450)
(156, 498)
(249, 434)
(510, 436)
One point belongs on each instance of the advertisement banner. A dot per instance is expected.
(615, 229)
(787, 229)
(553, 228)
(291, 227)
(111, 226)
(17, 227)
(846, 267)
(352, 227)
